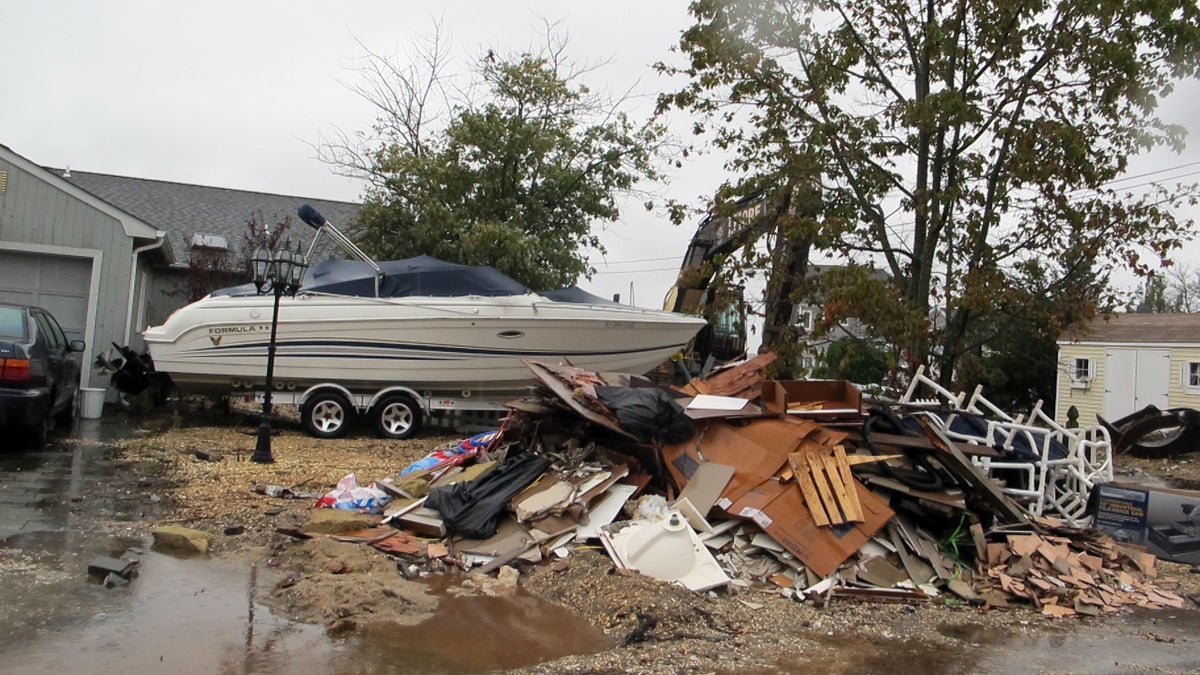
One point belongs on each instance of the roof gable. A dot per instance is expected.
(184, 211)
(131, 223)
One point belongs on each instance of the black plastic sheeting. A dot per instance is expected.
(648, 413)
(1155, 433)
(473, 508)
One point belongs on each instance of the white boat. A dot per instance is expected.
(433, 326)
(423, 325)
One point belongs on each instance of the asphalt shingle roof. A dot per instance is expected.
(183, 210)
(1139, 328)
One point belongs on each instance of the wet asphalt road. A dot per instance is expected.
(61, 507)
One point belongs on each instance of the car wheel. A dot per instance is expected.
(327, 415)
(397, 417)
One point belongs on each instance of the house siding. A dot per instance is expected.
(1179, 394)
(1090, 401)
(40, 218)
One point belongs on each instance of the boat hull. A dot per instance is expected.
(442, 345)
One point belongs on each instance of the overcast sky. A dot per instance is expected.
(233, 94)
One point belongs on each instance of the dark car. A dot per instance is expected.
(39, 372)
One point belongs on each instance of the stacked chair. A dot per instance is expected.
(1044, 466)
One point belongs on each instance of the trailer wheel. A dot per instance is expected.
(397, 416)
(327, 415)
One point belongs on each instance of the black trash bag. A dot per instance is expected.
(473, 508)
(650, 414)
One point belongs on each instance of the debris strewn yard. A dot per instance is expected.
(719, 527)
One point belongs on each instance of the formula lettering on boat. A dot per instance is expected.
(248, 328)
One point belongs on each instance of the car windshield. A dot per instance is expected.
(12, 323)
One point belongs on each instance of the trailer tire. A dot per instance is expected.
(327, 415)
(398, 417)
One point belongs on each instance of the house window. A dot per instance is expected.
(1191, 374)
(804, 320)
(1082, 373)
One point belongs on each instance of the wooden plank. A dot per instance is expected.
(855, 460)
(839, 453)
(956, 463)
(834, 475)
(823, 489)
(807, 489)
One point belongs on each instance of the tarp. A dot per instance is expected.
(473, 508)
(648, 413)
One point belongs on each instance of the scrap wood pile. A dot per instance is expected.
(752, 486)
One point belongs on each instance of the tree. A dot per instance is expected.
(953, 143)
(1154, 295)
(1014, 354)
(527, 160)
(854, 359)
(1183, 287)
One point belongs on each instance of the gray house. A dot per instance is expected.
(111, 255)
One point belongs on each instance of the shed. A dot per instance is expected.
(1117, 364)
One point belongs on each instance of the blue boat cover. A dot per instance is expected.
(424, 276)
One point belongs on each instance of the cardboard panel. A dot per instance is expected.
(821, 549)
(756, 450)
(826, 400)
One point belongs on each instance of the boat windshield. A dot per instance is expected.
(421, 276)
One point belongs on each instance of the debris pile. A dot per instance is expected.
(794, 488)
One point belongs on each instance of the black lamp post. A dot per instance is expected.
(280, 274)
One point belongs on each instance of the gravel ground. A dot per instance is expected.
(650, 623)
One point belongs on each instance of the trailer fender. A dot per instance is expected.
(327, 386)
(383, 393)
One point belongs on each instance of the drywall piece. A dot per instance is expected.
(711, 402)
(552, 497)
(666, 549)
(693, 515)
(605, 510)
(706, 484)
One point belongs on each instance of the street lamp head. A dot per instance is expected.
(299, 265)
(283, 266)
(261, 262)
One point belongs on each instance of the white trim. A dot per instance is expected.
(93, 295)
(161, 238)
(1184, 376)
(1081, 382)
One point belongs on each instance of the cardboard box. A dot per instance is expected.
(1166, 522)
(822, 400)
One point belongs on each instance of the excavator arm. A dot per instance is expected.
(716, 237)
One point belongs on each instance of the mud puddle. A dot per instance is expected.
(199, 615)
(1135, 641)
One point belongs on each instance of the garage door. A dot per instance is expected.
(56, 283)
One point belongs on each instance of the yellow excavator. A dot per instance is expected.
(717, 236)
